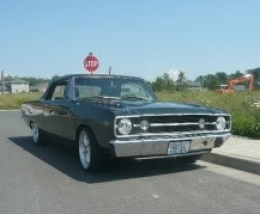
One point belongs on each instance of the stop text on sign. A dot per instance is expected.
(91, 63)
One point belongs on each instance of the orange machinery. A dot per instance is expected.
(229, 89)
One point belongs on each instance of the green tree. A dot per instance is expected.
(201, 79)
(211, 82)
(222, 77)
(255, 72)
(182, 82)
(235, 75)
(163, 83)
(8, 78)
(34, 81)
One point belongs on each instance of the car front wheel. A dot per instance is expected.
(90, 156)
(37, 134)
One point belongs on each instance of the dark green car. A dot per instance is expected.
(111, 116)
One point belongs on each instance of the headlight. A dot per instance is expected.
(125, 126)
(144, 125)
(221, 123)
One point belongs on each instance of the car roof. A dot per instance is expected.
(96, 76)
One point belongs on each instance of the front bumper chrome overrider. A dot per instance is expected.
(157, 146)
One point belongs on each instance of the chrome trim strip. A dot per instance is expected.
(173, 156)
(174, 124)
(171, 138)
(178, 124)
(176, 114)
(173, 133)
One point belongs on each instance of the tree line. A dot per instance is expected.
(33, 81)
(166, 83)
(209, 81)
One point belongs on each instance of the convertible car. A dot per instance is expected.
(112, 116)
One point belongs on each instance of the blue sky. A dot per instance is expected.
(144, 38)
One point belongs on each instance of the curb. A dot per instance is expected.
(10, 110)
(234, 161)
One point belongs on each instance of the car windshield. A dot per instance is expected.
(115, 88)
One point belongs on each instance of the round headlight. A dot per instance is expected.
(144, 125)
(125, 126)
(221, 123)
(202, 123)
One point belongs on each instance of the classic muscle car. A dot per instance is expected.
(112, 116)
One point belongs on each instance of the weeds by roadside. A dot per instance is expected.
(14, 101)
(245, 116)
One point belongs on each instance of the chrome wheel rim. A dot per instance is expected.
(35, 132)
(84, 149)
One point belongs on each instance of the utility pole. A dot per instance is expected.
(2, 82)
(109, 71)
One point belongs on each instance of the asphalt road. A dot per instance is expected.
(49, 180)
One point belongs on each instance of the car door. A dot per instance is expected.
(62, 119)
(57, 111)
(50, 108)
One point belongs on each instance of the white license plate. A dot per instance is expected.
(178, 147)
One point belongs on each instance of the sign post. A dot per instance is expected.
(2, 82)
(91, 63)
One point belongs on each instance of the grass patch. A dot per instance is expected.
(14, 101)
(245, 116)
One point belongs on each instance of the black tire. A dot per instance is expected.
(190, 159)
(38, 136)
(90, 155)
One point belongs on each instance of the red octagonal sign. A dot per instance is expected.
(91, 63)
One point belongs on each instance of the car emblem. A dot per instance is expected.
(202, 123)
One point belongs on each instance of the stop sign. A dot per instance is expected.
(91, 63)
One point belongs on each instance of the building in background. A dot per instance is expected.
(19, 86)
(194, 86)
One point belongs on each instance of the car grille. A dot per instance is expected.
(175, 124)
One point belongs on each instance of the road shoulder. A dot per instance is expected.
(239, 153)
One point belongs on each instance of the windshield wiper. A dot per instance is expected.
(106, 97)
(136, 97)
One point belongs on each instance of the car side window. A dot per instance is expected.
(59, 92)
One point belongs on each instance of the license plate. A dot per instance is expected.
(178, 147)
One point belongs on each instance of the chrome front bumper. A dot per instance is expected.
(158, 146)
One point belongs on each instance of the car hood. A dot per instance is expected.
(143, 108)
